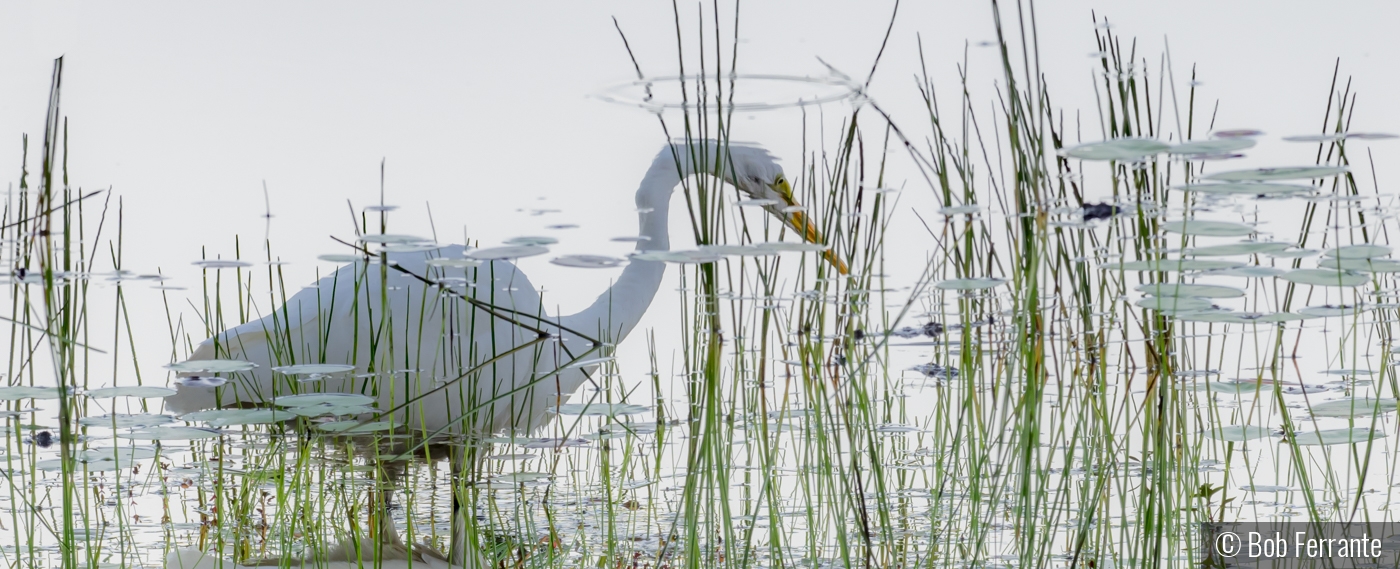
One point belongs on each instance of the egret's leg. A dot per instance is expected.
(464, 550)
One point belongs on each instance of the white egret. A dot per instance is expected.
(445, 365)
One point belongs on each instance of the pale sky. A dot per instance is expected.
(483, 108)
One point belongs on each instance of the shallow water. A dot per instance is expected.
(1165, 358)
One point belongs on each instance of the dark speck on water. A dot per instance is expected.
(1100, 211)
(933, 329)
(44, 439)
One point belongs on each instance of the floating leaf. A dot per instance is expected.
(231, 417)
(969, 284)
(1170, 265)
(1207, 228)
(1237, 433)
(739, 250)
(507, 252)
(25, 392)
(454, 263)
(1181, 289)
(216, 264)
(529, 240)
(1353, 407)
(1246, 248)
(124, 421)
(1365, 265)
(310, 369)
(1118, 149)
(389, 239)
(340, 258)
(355, 427)
(1324, 277)
(1292, 253)
(600, 409)
(1337, 436)
(142, 391)
(1269, 174)
(331, 410)
(1215, 146)
(211, 366)
(684, 257)
(1245, 189)
(1237, 132)
(1357, 252)
(170, 433)
(794, 246)
(960, 209)
(587, 261)
(334, 399)
(1252, 272)
(1340, 310)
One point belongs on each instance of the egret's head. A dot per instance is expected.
(756, 173)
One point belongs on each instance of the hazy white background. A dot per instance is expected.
(483, 108)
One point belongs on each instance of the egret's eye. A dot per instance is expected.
(778, 180)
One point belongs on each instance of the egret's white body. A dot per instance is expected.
(420, 341)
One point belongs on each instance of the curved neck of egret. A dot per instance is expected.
(621, 307)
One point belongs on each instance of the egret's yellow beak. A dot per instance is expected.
(804, 226)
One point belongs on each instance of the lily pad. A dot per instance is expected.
(389, 239)
(1213, 146)
(453, 263)
(528, 240)
(1357, 252)
(1174, 303)
(1252, 272)
(1338, 310)
(1229, 387)
(1182, 289)
(1118, 149)
(126, 421)
(1171, 265)
(1270, 174)
(1325, 277)
(1337, 436)
(309, 369)
(506, 252)
(794, 246)
(171, 433)
(1279, 317)
(216, 264)
(329, 410)
(142, 391)
(1363, 265)
(969, 284)
(684, 257)
(1353, 407)
(18, 392)
(1208, 228)
(211, 366)
(355, 427)
(1246, 248)
(340, 258)
(587, 261)
(1292, 253)
(600, 409)
(738, 250)
(231, 417)
(1245, 189)
(335, 399)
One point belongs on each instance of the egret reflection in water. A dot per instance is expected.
(481, 359)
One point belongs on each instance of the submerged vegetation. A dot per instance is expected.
(1101, 352)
